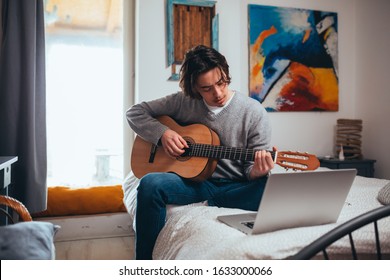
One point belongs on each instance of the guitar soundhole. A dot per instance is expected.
(187, 153)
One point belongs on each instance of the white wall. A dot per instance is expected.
(151, 71)
(373, 79)
(305, 131)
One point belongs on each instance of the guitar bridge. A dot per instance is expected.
(153, 150)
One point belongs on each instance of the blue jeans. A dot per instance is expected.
(156, 190)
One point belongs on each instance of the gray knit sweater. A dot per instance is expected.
(242, 123)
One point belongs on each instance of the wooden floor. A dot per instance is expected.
(115, 248)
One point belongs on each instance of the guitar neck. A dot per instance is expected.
(222, 152)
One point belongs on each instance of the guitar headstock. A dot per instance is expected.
(297, 160)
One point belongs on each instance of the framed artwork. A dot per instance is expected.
(293, 58)
(189, 23)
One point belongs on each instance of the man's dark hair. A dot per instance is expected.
(197, 61)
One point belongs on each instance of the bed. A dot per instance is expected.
(193, 231)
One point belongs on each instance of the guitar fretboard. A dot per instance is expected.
(222, 152)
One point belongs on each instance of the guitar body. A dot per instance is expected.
(194, 168)
(200, 159)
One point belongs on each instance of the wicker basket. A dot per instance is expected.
(348, 136)
(17, 207)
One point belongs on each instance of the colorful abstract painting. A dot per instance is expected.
(293, 58)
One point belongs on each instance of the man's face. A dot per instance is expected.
(212, 88)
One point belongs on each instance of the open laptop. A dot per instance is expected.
(296, 199)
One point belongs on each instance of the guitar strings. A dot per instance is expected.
(218, 152)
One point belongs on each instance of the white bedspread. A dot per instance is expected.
(193, 232)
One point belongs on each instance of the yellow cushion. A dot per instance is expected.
(64, 201)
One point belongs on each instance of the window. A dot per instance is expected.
(84, 86)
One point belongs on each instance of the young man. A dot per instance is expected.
(238, 120)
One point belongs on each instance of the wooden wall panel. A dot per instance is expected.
(192, 27)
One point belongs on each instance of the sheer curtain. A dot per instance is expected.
(23, 98)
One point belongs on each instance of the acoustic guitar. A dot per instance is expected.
(199, 161)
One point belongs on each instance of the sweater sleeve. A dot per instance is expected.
(142, 117)
(259, 136)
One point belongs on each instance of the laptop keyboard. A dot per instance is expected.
(248, 224)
